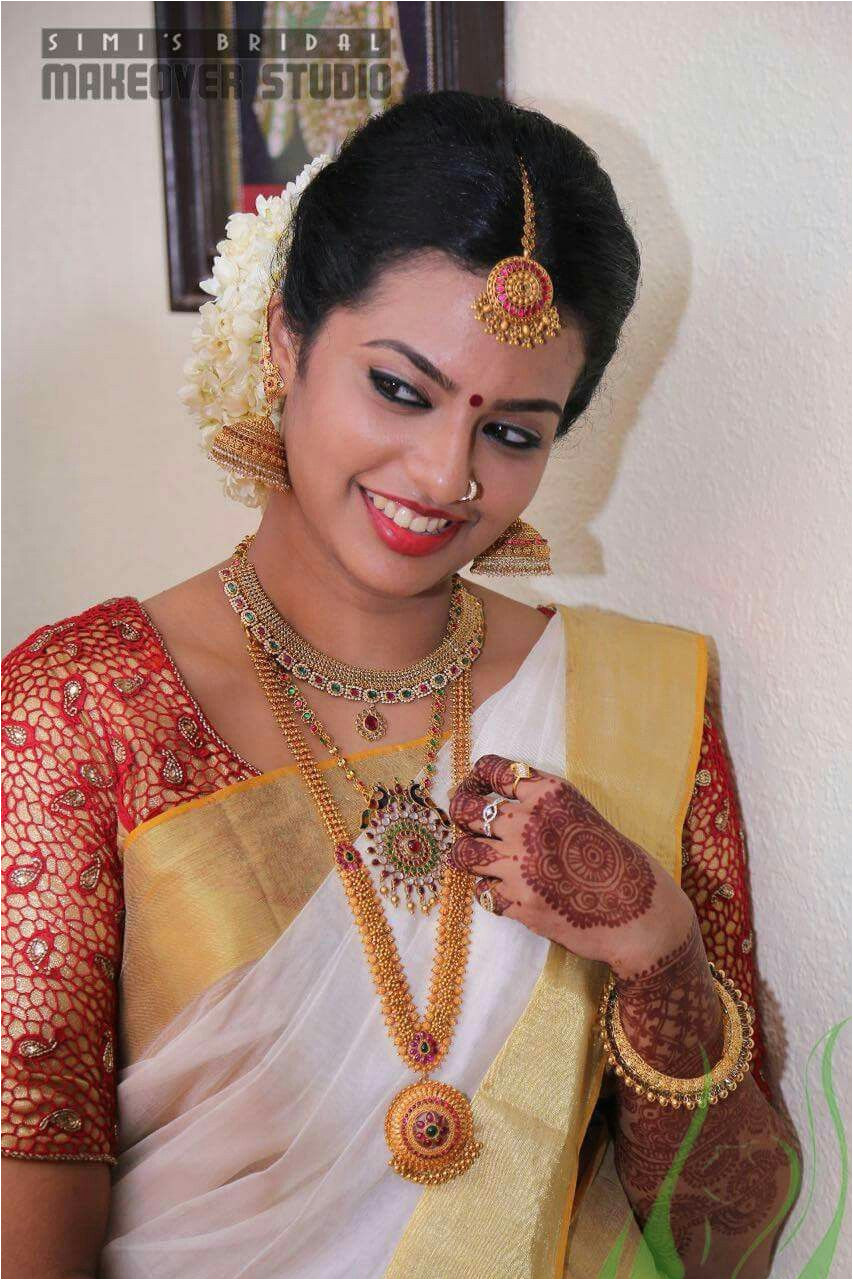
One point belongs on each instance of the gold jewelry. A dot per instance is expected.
(251, 447)
(410, 833)
(474, 490)
(486, 900)
(461, 646)
(520, 770)
(517, 305)
(520, 550)
(429, 1125)
(309, 717)
(688, 1091)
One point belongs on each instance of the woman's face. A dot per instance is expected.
(405, 399)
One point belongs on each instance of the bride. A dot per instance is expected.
(359, 916)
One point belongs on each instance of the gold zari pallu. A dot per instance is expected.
(543, 1198)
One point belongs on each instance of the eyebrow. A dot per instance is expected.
(447, 384)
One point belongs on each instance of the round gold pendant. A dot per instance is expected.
(429, 1129)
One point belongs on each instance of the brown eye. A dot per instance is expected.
(523, 439)
(383, 381)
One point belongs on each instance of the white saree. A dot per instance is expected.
(251, 1109)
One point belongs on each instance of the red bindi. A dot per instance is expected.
(475, 399)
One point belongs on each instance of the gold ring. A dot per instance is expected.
(520, 770)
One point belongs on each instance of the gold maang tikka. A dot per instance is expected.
(251, 448)
(517, 304)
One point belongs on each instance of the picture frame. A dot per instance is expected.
(210, 141)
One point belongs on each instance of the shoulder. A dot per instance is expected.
(73, 662)
(509, 618)
(48, 644)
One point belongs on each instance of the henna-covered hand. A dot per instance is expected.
(733, 1184)
(555, 863)
(563, 869)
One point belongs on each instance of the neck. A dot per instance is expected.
(330, 608)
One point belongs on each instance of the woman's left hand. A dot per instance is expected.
(556, 864)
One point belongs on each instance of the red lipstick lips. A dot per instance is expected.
(404, 541)
(417, 506)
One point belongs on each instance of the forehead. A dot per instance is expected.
(426, 303)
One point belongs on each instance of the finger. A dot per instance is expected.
(501, 775)
(488, 893)
(468, 799)
(475, 810)
(470, 854)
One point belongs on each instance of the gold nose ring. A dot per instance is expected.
(474, 490)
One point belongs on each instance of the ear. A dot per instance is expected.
(282, 347)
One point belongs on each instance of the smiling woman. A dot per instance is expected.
(270, 987)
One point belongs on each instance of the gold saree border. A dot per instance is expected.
(211, 884)
(511, 1213)
(270, 775)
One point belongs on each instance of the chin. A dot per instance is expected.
(396, 576)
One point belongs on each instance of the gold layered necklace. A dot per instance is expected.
(409, 835)
(460, 646)
(428, 1125)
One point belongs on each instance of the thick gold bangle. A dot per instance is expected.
(682, 1091)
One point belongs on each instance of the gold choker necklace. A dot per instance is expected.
(460, 647)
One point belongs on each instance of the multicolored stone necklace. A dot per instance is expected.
(429, 1125)
(460, 647)
(409, 834)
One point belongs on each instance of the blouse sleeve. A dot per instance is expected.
(63, 908)
(714, 874)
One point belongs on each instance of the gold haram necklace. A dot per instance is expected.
(461, 645)
(409, 834)
(429, 1126)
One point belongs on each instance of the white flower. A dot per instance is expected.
(223, 378)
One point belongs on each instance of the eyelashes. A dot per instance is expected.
(524, 441)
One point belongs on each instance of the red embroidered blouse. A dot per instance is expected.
(98, 728)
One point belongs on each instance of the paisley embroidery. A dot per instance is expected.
(32, 1047)
(128, 684)
(91, 773)
(91, 874)
(172, 771)
(65, 1119)
(189, 730)
(23, 875)
(73, 798)
(73, 694)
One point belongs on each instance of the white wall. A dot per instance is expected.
(709, 487)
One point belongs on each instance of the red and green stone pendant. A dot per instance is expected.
(371, 724)
(409, 836)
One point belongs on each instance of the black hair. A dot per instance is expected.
(440, 171)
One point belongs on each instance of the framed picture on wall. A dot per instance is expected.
(256, 90)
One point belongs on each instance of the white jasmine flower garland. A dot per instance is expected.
(223, 374)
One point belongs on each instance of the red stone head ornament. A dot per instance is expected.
(517, 305)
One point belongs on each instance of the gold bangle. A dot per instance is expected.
(682, 1091)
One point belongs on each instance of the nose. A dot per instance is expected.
(440, 464)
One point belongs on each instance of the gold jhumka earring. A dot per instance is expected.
(251, 447)
(517, 306)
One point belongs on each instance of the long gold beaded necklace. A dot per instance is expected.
(429, 1126)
